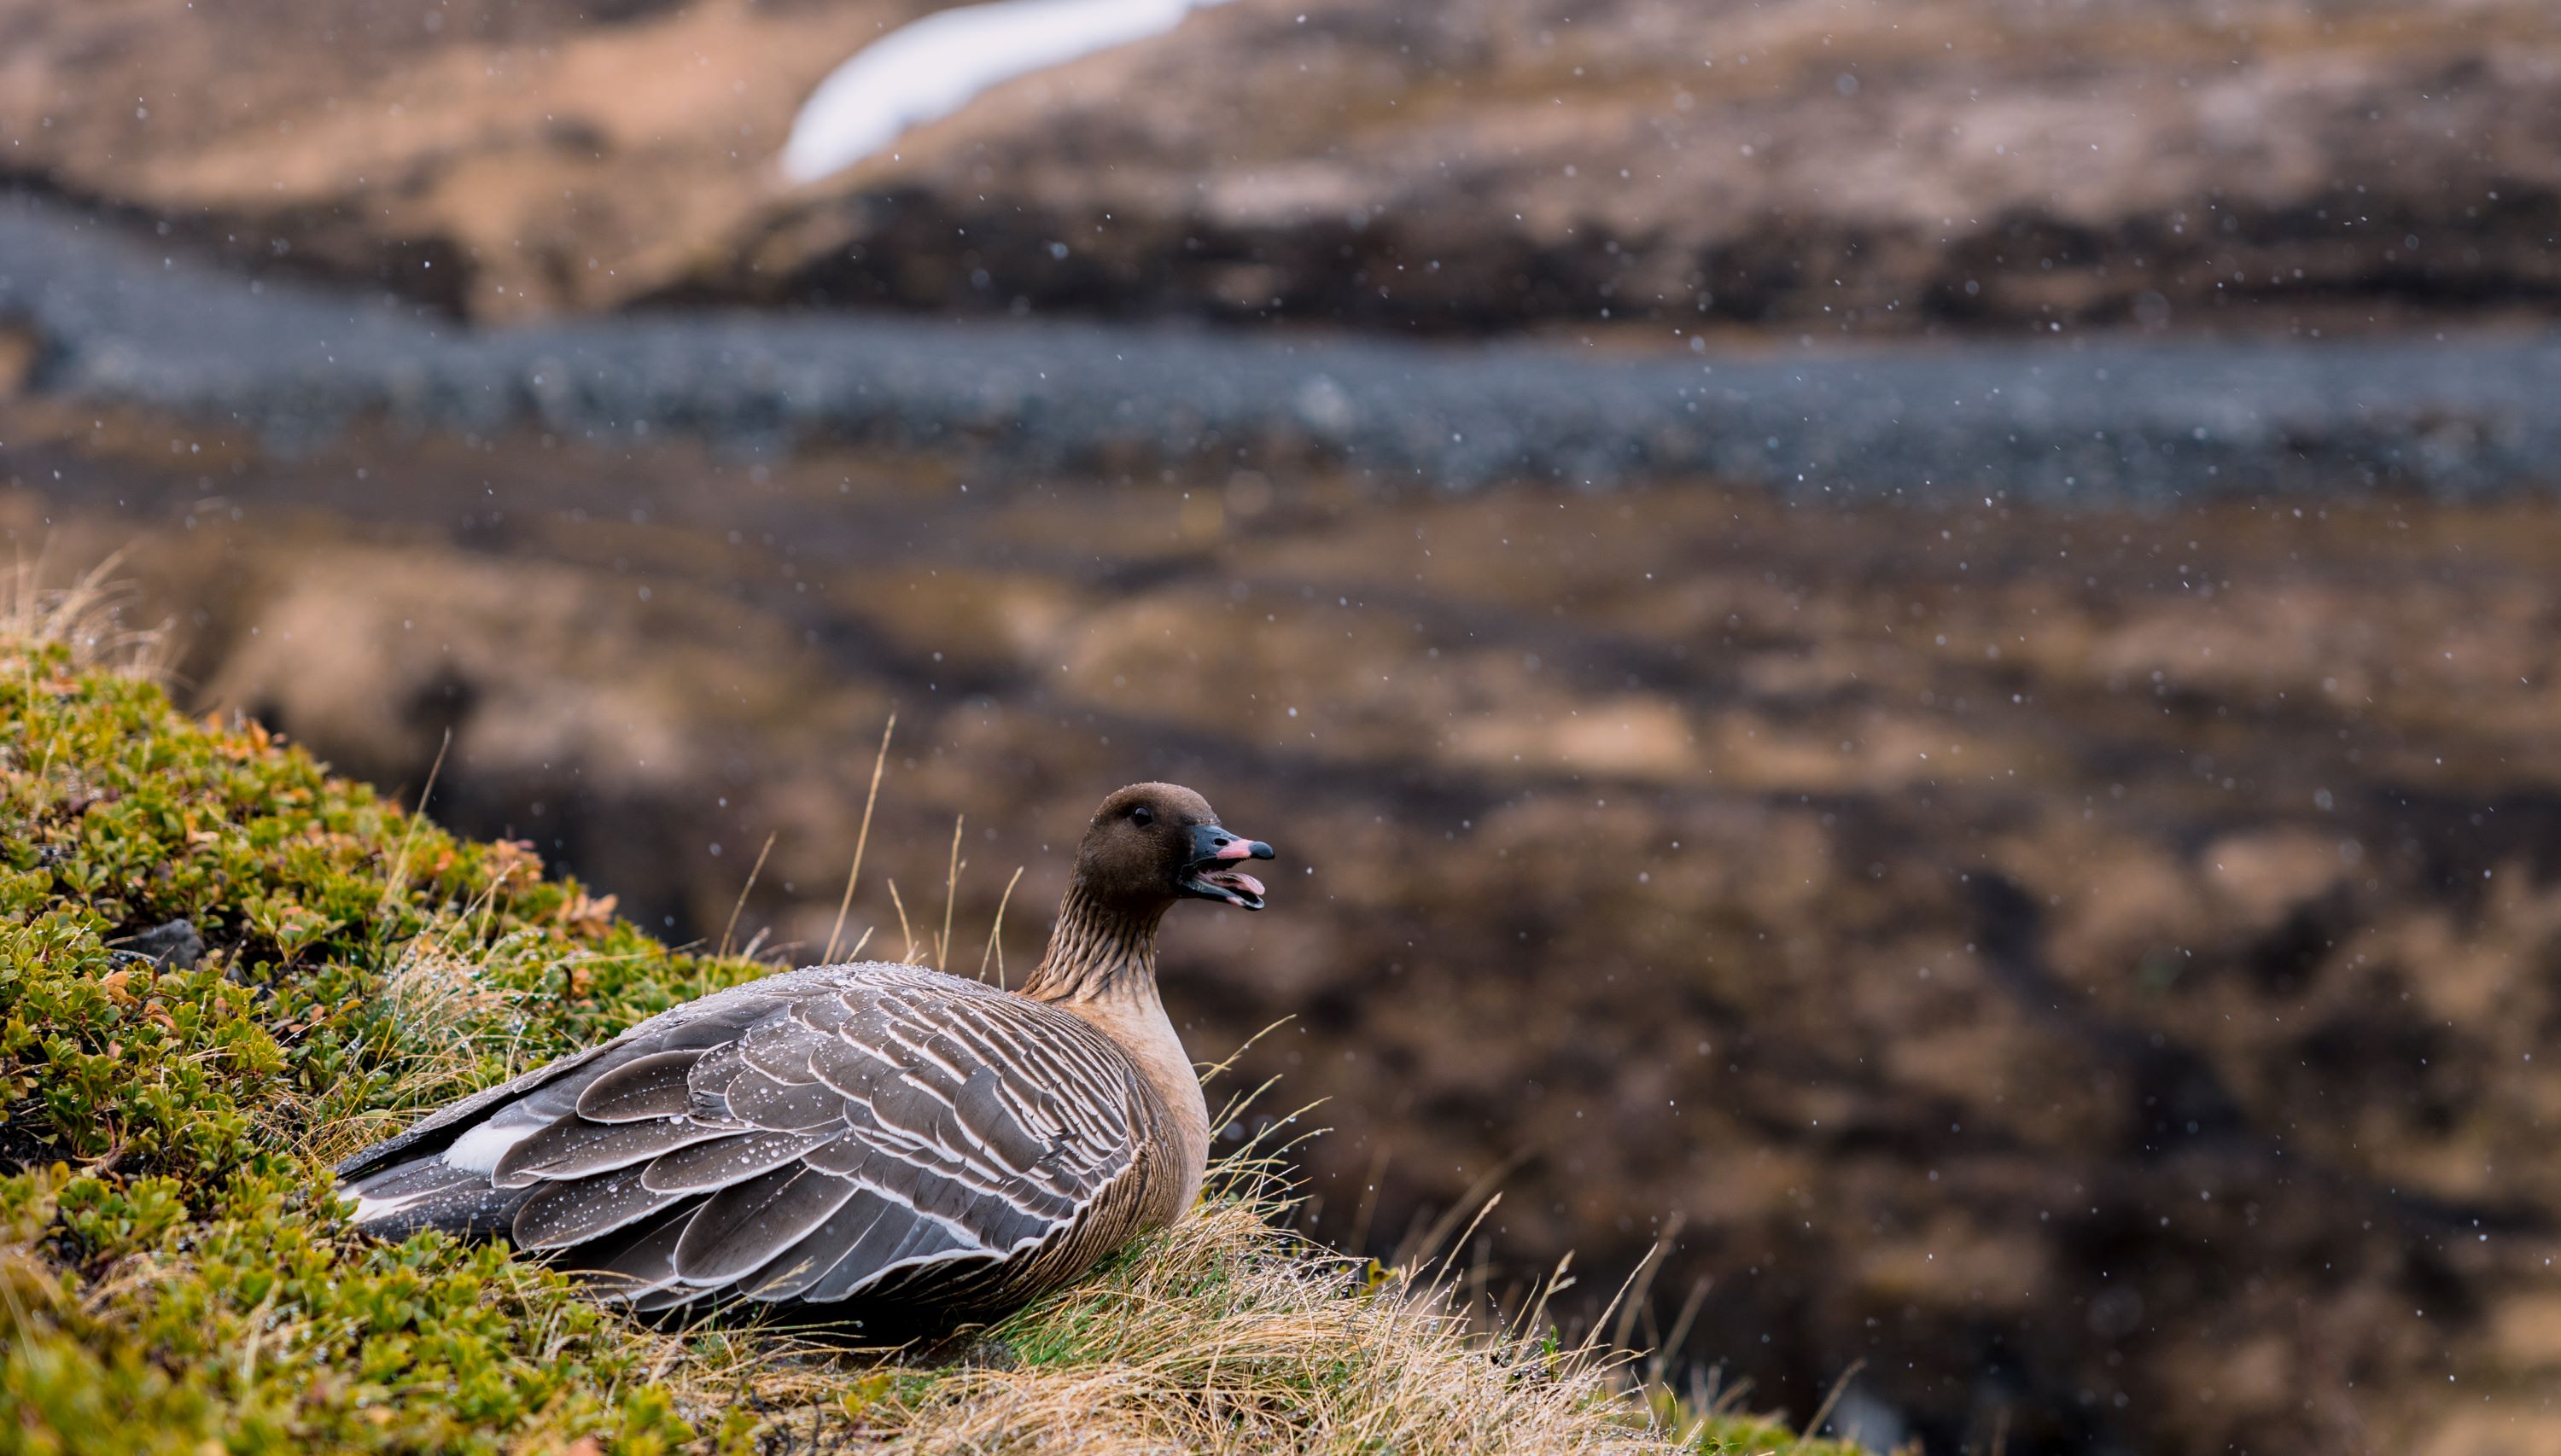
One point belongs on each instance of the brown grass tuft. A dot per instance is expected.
(1225, 1333)
(448, 1013)
(87, 617)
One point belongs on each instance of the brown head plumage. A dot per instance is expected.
(1152, 844)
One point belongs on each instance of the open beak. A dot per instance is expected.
(1212, 872)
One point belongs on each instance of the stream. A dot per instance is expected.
(119, 318)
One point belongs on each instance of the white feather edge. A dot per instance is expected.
(479, 1150)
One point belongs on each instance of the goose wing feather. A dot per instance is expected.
(809, 1137)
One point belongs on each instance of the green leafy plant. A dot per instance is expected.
(176, 1274)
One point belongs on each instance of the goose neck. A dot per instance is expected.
(1096, 949)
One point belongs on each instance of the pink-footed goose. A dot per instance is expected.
(879, 1142)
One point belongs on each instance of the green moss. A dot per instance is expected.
(175, 1274)
(195, 1282)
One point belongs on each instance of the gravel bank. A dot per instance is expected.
(2079, 418)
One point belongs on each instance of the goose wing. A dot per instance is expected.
(818, 1136)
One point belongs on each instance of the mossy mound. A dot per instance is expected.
(175, 1274)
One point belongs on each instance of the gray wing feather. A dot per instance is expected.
(780, 1048)
(710, 1167)
(639, 1263)
(712, 1076)
(438, 1131)
(756, 1097)
(575, 1148)
(653, 1085)
(865, 1247)
(564, 1214)
(804, 1264)
(746, 1225)
(812, 1137)
(898, 1235)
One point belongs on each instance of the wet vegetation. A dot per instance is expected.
(1903, 657)
(2078, 961)
(221, 967)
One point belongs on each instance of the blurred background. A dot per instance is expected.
(1906, 645)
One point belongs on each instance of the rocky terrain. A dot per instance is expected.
(1821, 166)
(2096, 966)
(2030, 863)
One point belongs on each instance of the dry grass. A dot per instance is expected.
(86, 616)
(1225, 1333)
(448, 1013)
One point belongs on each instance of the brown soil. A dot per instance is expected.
(1811, 164)
(2100, 970)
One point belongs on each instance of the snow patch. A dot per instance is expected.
(931, 67)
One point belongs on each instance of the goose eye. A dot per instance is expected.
(1142, 816)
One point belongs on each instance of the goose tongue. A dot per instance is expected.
(1213, 874)
(1229, 886)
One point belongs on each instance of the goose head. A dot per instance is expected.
(1152, 844)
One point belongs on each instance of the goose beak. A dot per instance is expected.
(1208, 876)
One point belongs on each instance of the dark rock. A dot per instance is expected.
(174, 945)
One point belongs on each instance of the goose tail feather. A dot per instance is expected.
(430, 1192)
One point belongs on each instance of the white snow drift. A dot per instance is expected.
(933, 67)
